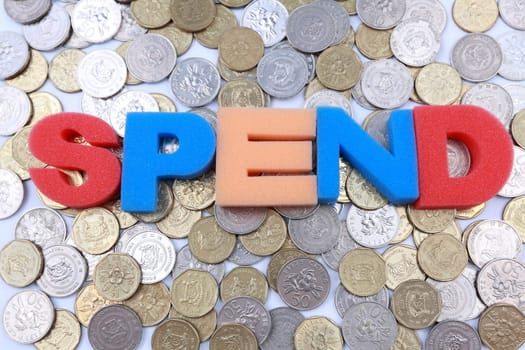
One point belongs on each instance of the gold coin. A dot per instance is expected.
(502, 327)
(224, 19)
(338, 68)
(63, 70)
(64, 335)
(318, 333)
(268, 238)
(175, 334)
(514, 214)
(475, 15)
(278, 260)
(233, 336)
(209, 243)
(373, 43)
(194, 293)
(293, 4)
(151, 302)
(124, 218)
(117, 276)
(452, 229)
(228, 74)
(470, 213)
(180, 39)
(165, 103)
(362, 193)
(406, 339)
(235, 3)
(88, 301)
(178, 223)
(442, 257)
(244, 281)
(196, 194)
(344, 171)
(165, 200)
(21, 263)
(241, 48)
(517, 128)
(44, 104)
(7, 161)
(431, 221)
(401, 265)
(349, 5)
(192, 16)
(151, 14)
(416, 304)
(33, 76)
(438, 84)
(405, 227)
(241, 93)
(122, 50)
(204, 325)
(95, 230)
(312, 87)
(20, 148)
(362, 272)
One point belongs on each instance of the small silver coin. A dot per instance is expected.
(64, 272)
(268, 18)
(477, 57)
(344, 299)
(43, 226)
(309, 58)
(115, 327)
(431, 10)
(502, 281)
(317, 233)
(186, 261)
(303, 283)
(51, 31)
(28, 316)
(130, 101)
(310, 29)
(249, 312)
(330, 98)
(240, 220)
(195, 82)
(129, 28)
(512, 13)
(15, 110)
(241, 256)
(381, 15)
(515, 186)
(96, 21)
(493, 98)
(14, 54)
(414, 42)
(458, 298)
(463, 336)
(333, 257)
(27, 11)
(151, 58)
(284, 323)
(512, 45)
(102, 73)
(11, 193)
(373, 228)
(369, 313)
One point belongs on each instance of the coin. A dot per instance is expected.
(502, 281)
(50, 32)
(33, 76)
(401, 265)
(43, 226)
(338, 68)
(96, 21)
(475, 15)
(362, 272)
(186, 261)
(268, 238)
(373, 228)
(438, 84)
(362, 193)
(284, 324)
(178, 223)
(63, 68)
(310, 28)
(333, 257)
(151, 14)
(380, 16)
(125, 329)
(407, 339)
(194, 293)
(495, 323)
(442, 257)
(511, 43)
(129, 29)
(95, 230)
(13, 61)
(513, 187)
(278, 260)
(513, 214)
(318, 332)
(179, 38)
(204, 325)
(414, 42)
(210, 243)
(88, 301)
(326, 97)
(151, 302)
(484, 57)
(64, 335)
(244, 281)
(192, 16)
(12, 191)
(373, 43)
(465, 335)
(16, 110)
(452, 229)
(493, 98)
(240, 220)
(117, 276)
(27, 12)
(172, 333)
(233, 335)
(405, 226)
(458, 298)
(223, 21)
(268, 18)
(44, 104)
(21, 263)
(431, 10)
(431, 221)
(241, 92)
(406, 298)
(126, 102)
(101, 73)
(509, 12)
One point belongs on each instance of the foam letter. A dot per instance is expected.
(253, 145)
(52, 141)
(490, 150)
(393, 173)
(144, 164)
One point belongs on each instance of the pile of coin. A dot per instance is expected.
(202, 274)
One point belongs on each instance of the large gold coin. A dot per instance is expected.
(209, 243)
(431, 221)
(475, 15)
(194, 293)
(502, 327)
(180, 39)
(517, 128)
(95, 230)
(64, 335)
(442, 257)
(244, 281)
(407, 339)
(241, 48)
(233, 336)
(318, 333)
(401, 265)
(151, 302)
(268, 238)
(416, 304)
(373, 43)
(33, 76)
(241, 93)
(63, 70)
(21, 263)
(151, 14)
(88, 301)
(338, 68)
(452, 229)
(178, 223)
(362, 272)
(44, 104)
(192, 15)
(405, 226)
(174, 333)
(196, 194)
(205, 325)
(438, 84)
(117, 276)
(224, 20)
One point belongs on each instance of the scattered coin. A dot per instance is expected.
(125, 329)
(244, 281)
(442, 257)
(450, 329)
(21, 263)
(172, 333)
(494, 324)
(284, 324)
(318, 331)
(233, 335)
(411, 293)
(194, 293)
(362, 272)
(117, 277)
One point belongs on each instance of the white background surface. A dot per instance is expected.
(71, 102)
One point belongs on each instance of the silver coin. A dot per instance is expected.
(377, 127)
(358, 336)
(458, 157)
(155, 254)
(102, 73)
(129, 28)
(43, 226)
(15, 109)
(333, 257)
(431, 10)
(282, 73)
(456, 334)
(11, 193)
(344, 299)
(299, 212)
(195, 82)
(477, 57)
(130, 101)
(339, 16)
(471, 274)
(130, 232)
(240, 220)
(50, 32)
(96, 20)
(303, 283)
(98, 107)
(249, 312)
(14, 54)
(91, 259)
(115, 327)
(317, 233)
(414, 42)
(310, 28)
(502, 281)
(511, 11)
(515, 186)
(64, 272)
(386, 83)
(512, 45)
(284, 323)
(359, 97)
(241, 256)
(326, 97)
(517, 92)
(309, 58)
(27, 11)
(268, 18)
(373, 228)
(151, 57)
(74, 41)
(493, 98)
(186, 261)
(493, 239)
(28, 316)
(458, 298)
(381, 15)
